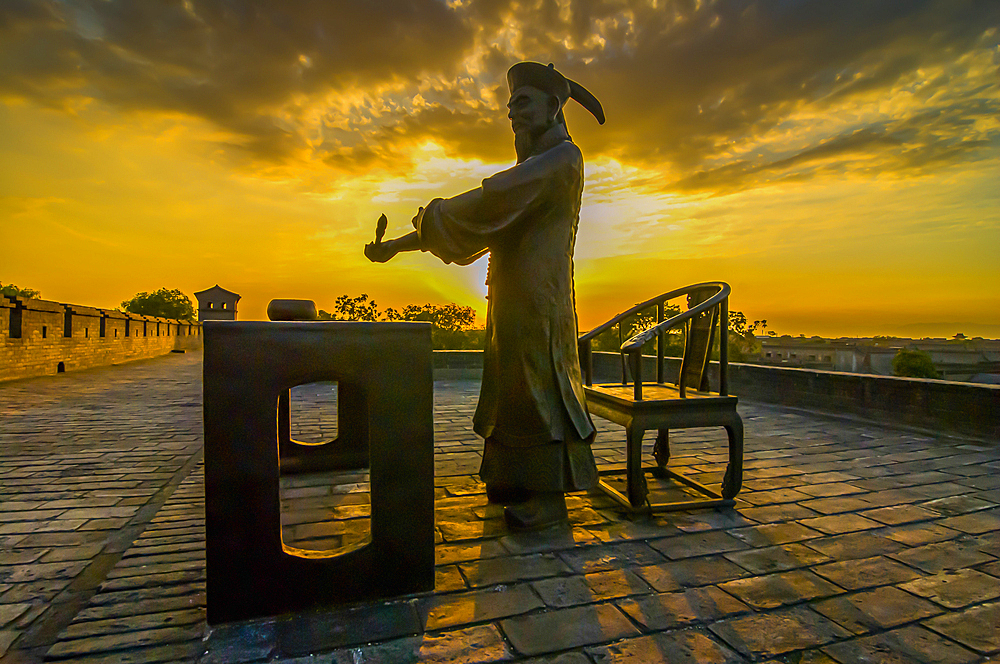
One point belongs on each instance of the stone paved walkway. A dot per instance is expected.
(850, 543)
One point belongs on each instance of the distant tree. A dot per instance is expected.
(960, 336)
(446, 317)
(164, 303)
(14, 291)
(742, 337)
(453, 326)
(914, 364)
(352, 308)
(640, 322)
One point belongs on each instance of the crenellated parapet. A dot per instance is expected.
(41, 337)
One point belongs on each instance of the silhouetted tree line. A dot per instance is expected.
(453, 326)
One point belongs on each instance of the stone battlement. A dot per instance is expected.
(42, 337)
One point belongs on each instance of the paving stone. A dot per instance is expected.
(564, 658)
(776, 513)
(975, 627)
(954, 505)
(957, 589)
(987, 542)
(565, 629)
(456, 553)
(41, 571)
(239, 642)
(33, 591)
(690, 647)
(954, 554)
(898, 514)
(975, 523)
(837, 504)
(66, 553)
(764, 635)
(774, 533)
(804, 657)
(7, 637)
(81, 629)
(314, 632)
(671, 610)
(11, 612)
(153, 580)
(777, 558)
(448, 579)
(829, 489)
(902, 646)
(186, 651)
(123, 641)
(691, 573)
(701, 521)
(865, 544)
(840, 523)
(874, 610)
(774, 590)
(508, 570)
(610, 556)
(697, 544)
(866, 573)
(919, 534)
(457, 531)
(547, 542)
(561, 592)
(137, 595)
(141, 607)
(477, 606)
(473, 645)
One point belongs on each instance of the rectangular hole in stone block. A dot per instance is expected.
(323, 512)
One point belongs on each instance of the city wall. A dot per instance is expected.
(970, 409)
(42, 337)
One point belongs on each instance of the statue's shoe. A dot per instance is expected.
(542, 510)
(506, 495)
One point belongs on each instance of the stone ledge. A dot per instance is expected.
(969, 409)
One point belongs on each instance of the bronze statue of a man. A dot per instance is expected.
(531, 409)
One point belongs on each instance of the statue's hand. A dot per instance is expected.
(379, 252)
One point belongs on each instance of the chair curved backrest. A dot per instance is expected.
(698, 343)
(708, 309)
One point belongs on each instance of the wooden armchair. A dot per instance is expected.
(657, 405)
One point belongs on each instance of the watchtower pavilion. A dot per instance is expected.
(216, 303)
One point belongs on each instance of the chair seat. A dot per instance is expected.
(663, 408)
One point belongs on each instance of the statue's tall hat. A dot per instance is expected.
(547, 79)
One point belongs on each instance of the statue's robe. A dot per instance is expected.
(531, 408)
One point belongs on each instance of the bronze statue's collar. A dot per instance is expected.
(552, 137)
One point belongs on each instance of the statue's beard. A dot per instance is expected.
(526, 140)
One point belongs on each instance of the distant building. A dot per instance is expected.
(216, 303)
(965, 360)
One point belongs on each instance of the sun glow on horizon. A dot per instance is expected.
(848, 190)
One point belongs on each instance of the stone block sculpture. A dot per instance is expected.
(248, 367)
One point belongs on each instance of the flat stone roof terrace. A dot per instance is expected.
(851, 542)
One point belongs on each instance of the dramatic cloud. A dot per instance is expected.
(713, 95)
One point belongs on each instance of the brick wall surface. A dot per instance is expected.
(58, 337)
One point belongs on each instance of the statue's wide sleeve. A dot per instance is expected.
(463, 228)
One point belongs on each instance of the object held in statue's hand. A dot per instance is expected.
(380, 229)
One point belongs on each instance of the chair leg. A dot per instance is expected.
(733, 481)
(661, 450)
(636, 480)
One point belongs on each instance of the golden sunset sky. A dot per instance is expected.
(836, 161)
